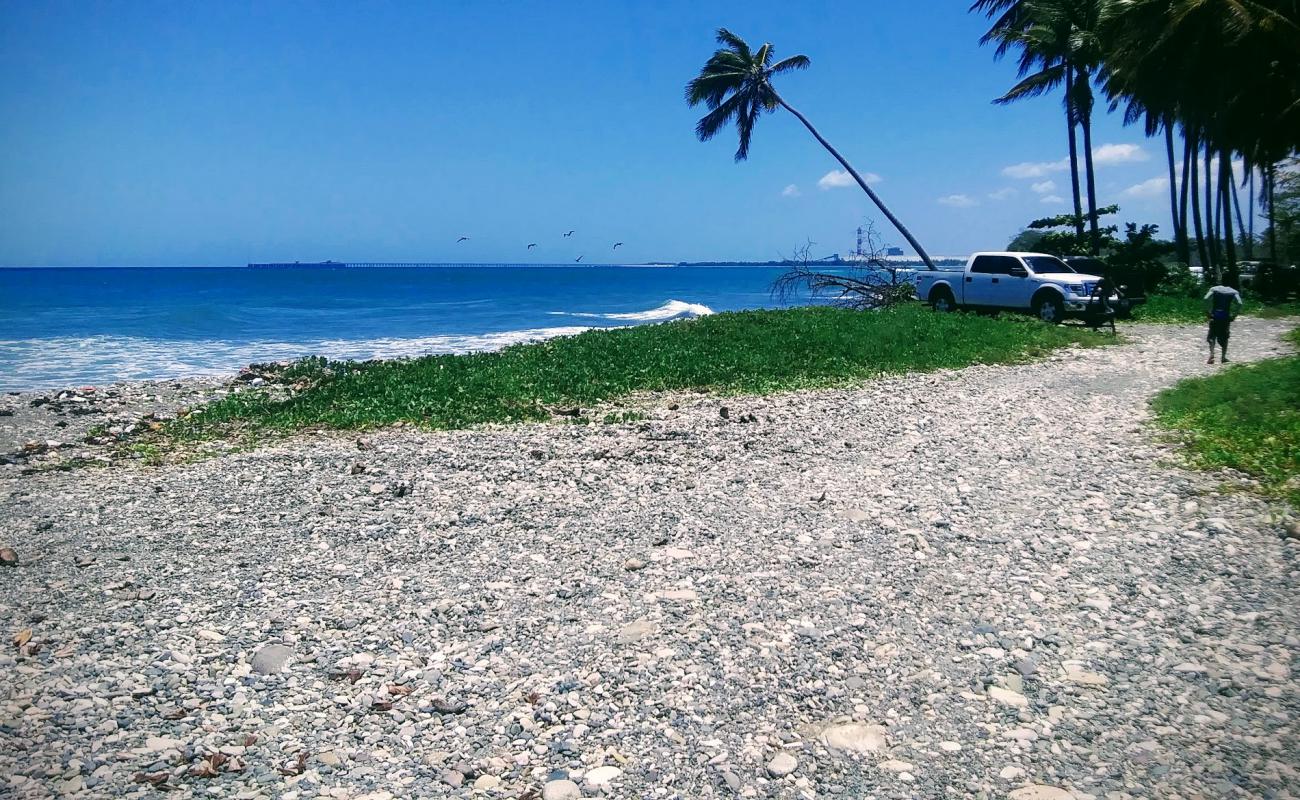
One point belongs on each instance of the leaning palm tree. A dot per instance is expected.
(736, 84)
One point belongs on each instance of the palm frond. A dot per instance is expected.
(717, 119)
(711, 89)
(787, 64)
(731, 40)
(745, 119)
(1035, 85)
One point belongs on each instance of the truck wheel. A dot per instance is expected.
(1049, 308)
(941, 300)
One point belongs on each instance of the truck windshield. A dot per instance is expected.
(1041, 264)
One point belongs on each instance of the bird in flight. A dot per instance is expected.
(617, 245)
(567, 235)
(531, 246)
(578, 259)
(462, 239)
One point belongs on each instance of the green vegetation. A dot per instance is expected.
(1224, 77)
(1246, 417)
(743, 352)
(1182, 309)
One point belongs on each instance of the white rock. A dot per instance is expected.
(1008, 698)
(782, 764)
(561, 790)
(271, 658)
(1040, 791)
(949, 747)
(486, 783)
(855, 737)
(159, 744)
(602, 775)
(635, 631)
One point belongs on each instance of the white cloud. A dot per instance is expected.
(1053, 199)
(1105, 155)
(1002, 194)
(1043, 187)
(791, 191)
(958, 201)
(839, 178)
(1118, 154)
(1151, 188)
(1030, 169)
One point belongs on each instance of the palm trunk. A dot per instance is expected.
(1250, 216)
(1271, 183)
(1085, 119)
(1182, 200)
(1210, 228)
(1225, 195)
(1236, 208)
(1074, 152)
(1180, 242)
(1193, 145)
(893, 220)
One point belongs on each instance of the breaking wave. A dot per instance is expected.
(673, 309)
(73, 361)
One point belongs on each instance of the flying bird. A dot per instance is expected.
(567, 235)
(462, 239)
(579, 258)
(617, 245)
(531, 246)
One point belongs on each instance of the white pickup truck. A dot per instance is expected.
(1042, 284)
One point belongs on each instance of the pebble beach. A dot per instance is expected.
(991, 582)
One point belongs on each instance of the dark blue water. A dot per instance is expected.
(73, 326)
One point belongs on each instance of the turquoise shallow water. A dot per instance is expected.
(75, 326)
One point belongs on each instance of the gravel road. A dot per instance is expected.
(994, 582)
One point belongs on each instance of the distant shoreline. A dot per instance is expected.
(901, 264)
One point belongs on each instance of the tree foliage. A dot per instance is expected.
(1222, 74)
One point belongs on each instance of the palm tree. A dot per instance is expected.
(736, 85)
(1012, 17)
(1229, 72)
(1059, 43)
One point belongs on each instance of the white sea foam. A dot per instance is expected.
(673, 309)
(67, 361)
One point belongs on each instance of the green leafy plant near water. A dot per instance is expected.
(1246, 418)
(742, 352)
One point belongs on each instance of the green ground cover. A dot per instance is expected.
(743, 352)
(1246, 417)
(1169, 309)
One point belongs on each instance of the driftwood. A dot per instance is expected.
(869, 282)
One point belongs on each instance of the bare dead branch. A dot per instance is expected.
(869, 282)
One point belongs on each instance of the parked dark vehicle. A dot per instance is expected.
(1276, 282)
(1128, 287)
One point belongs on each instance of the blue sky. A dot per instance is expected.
(219, 133)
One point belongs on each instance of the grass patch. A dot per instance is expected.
(743, 352)
(1246, 417)
(1181, 310)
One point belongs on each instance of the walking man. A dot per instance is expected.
(1222, 304)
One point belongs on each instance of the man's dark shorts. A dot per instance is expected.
(1219, 331)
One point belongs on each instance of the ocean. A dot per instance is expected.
(64, 327)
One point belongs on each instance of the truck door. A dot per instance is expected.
(1016, 287)
(983, 280)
